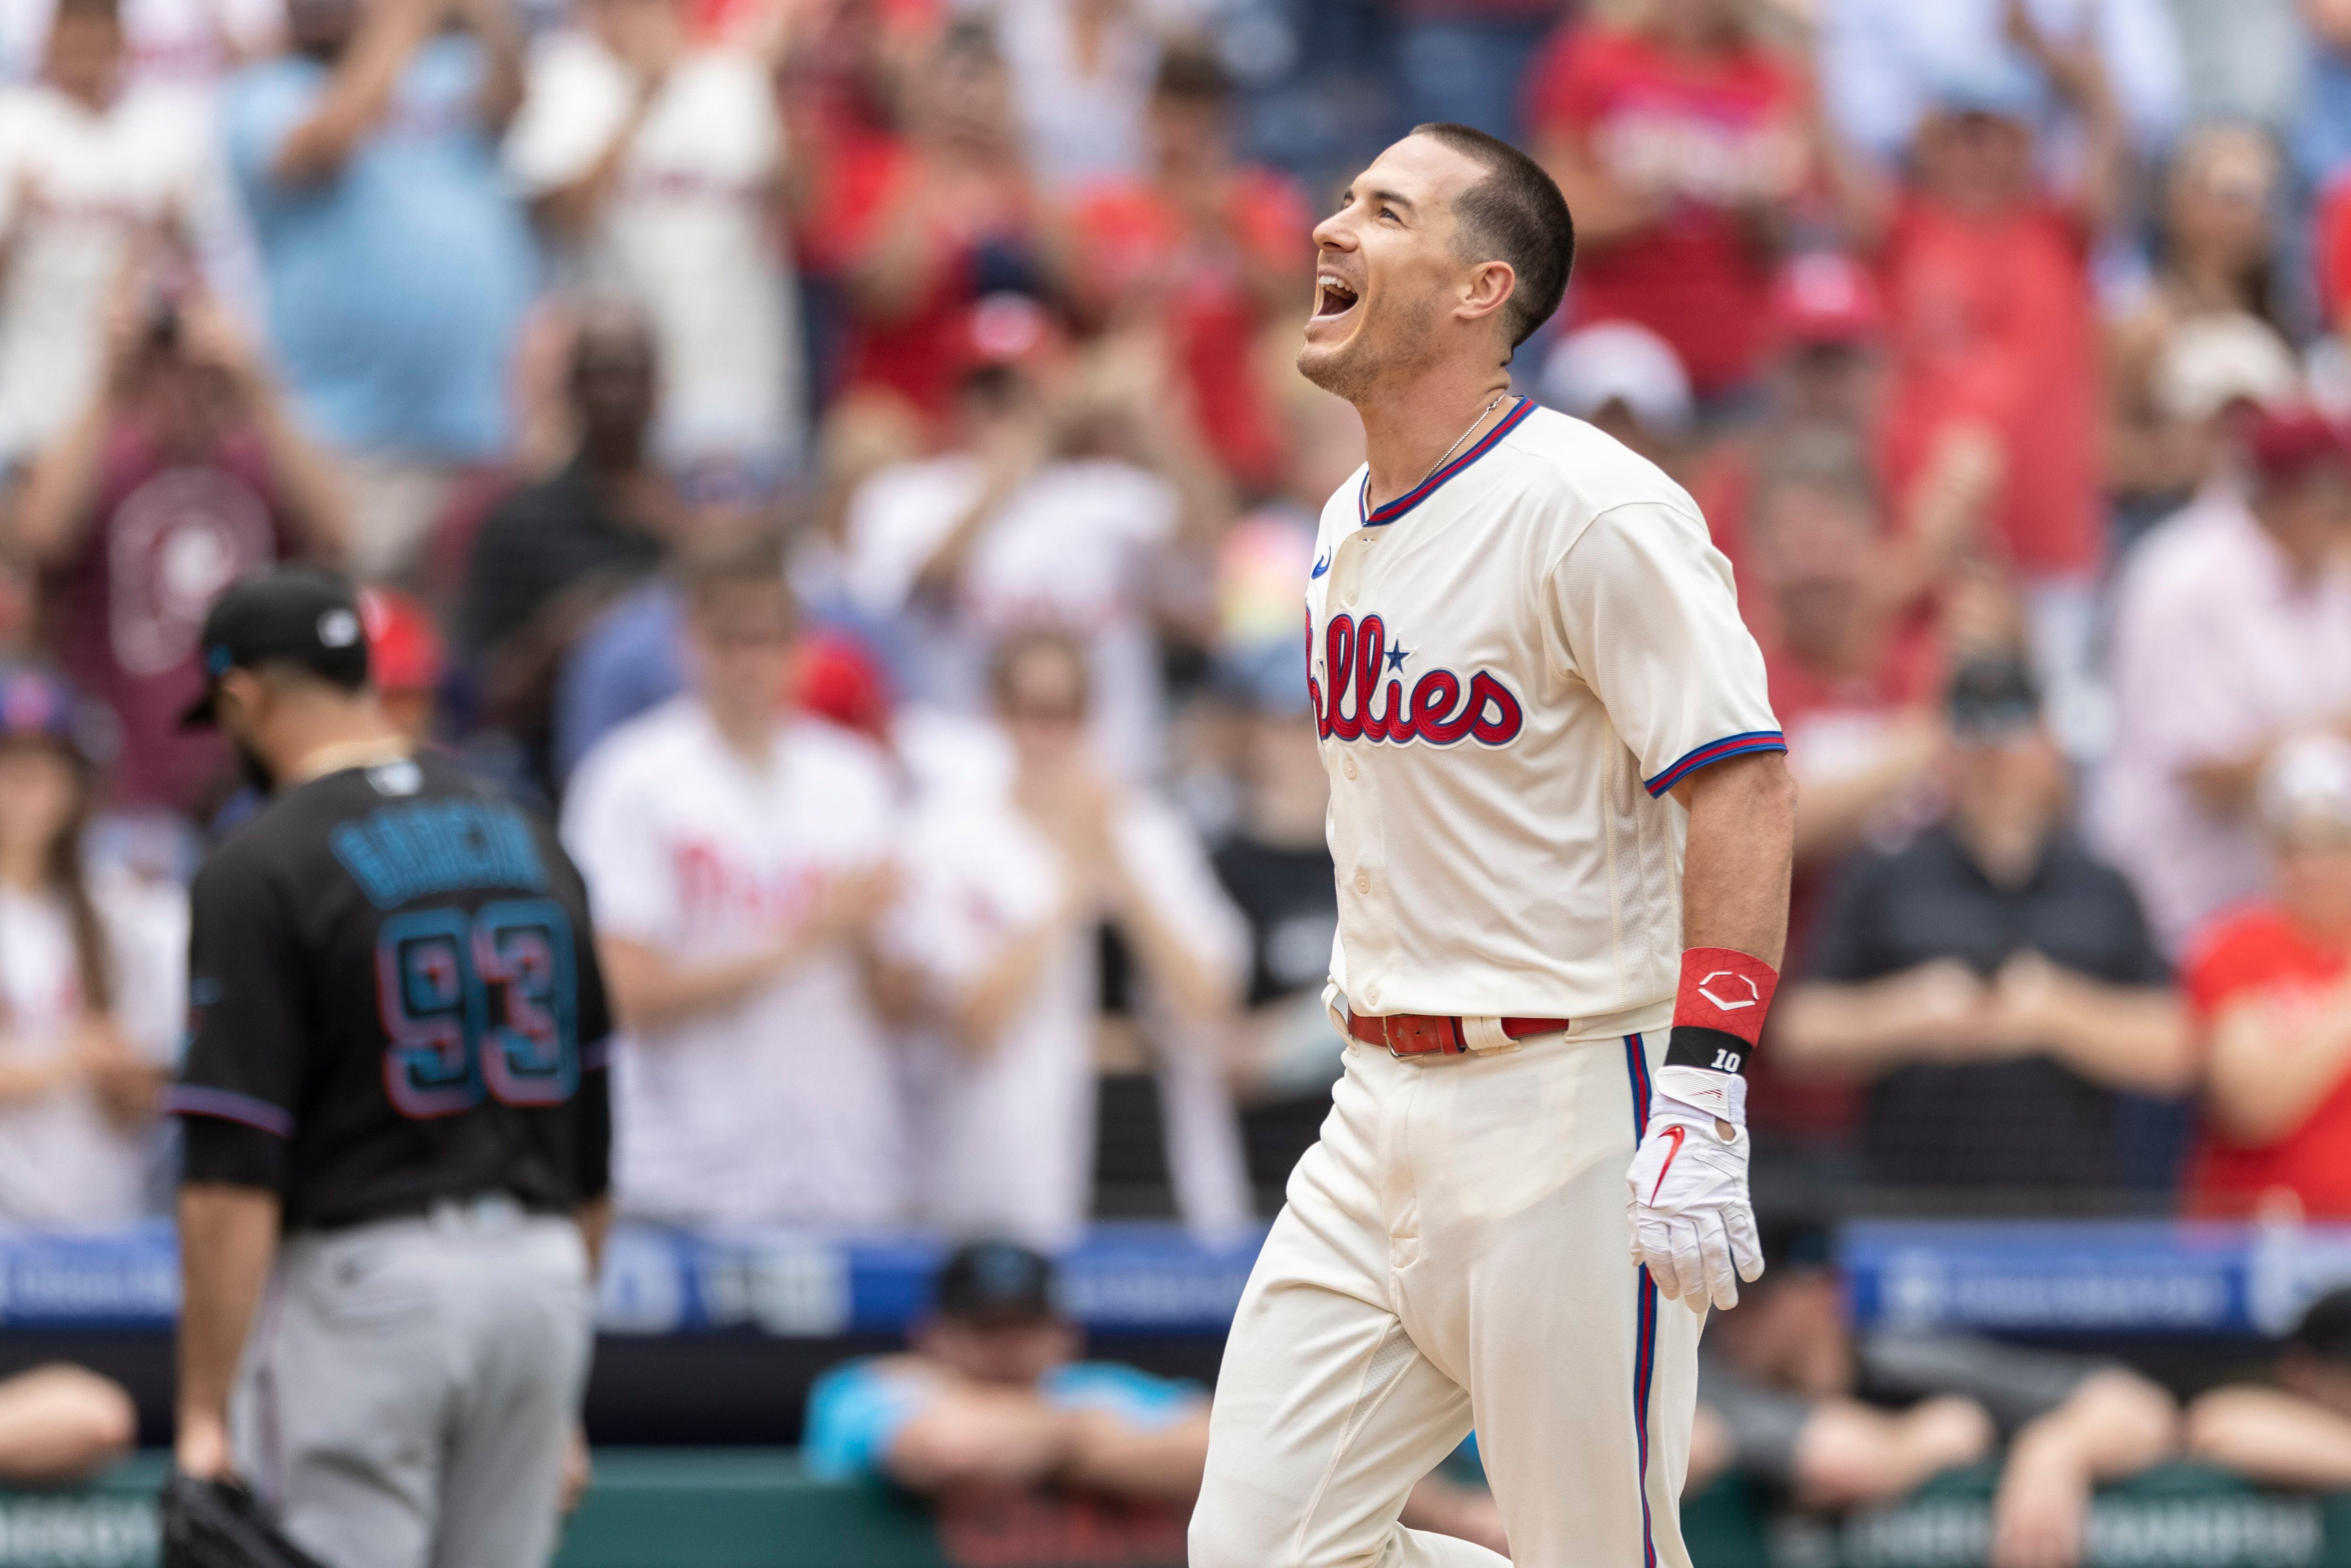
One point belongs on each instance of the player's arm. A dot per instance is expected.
(1740, 856)
(228, 1239)
(248, 989)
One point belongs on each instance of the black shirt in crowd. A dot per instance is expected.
(2023, 1124)
(541, 541)
(396, 1001)
(1290, 898)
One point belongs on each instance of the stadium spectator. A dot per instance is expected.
(183, 470)
(1206, 251)
(991, 1396)
(1680, 143)
(1854, 677)
(1826, 370)
(94, 176)
(404, 660)
(1790, 1396)
(1007, 892)
(1882, 62)
(1988, 289)
(92, 988)
(396, 261)
(1994, 985)
(61, 1423)
(2231, 630)
(176, 45)
(2215, 255)
(921, 228)
(2270, 983)
(2293, 1428)
(736, 858)
(552, 554)
(657, 163)
(1036, 515)
(1080, 74)
(1627, 381)
(1276, 869)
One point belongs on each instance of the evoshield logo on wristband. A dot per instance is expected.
(1719, 1008)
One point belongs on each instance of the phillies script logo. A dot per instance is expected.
(1356, 658)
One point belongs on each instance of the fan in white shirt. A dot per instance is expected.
(87, 171)
(733, 858)
(1007, 886)
(92, 983)
(1008, 532)
(661, 164)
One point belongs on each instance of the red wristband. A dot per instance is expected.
(1726, 989)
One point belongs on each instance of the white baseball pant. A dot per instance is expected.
(1454, 1253)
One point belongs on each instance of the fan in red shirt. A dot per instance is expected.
(920, 228)
(1208, 251)
(1987, 287)
(1678, 144)
(2270, 985)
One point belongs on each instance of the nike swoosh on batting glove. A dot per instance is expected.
(1693, 1226)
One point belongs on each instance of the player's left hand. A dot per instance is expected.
(1693, 1227)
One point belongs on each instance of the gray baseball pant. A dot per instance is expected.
(409, 1387)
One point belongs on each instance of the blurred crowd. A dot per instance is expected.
(841, 458)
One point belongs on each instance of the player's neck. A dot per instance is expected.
(1409, 429)
(346, 734)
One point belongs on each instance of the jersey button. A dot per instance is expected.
(1371, 996)
(1348, 767)
(1362, 881)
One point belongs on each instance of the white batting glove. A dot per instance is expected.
(1693, 1227)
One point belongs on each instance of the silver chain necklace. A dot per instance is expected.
(1445, 456)
(1464, 436)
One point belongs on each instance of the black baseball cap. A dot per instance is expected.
(992, 1282)
(1992, 697)
(283, 615)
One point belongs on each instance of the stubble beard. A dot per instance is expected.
(1363, 367)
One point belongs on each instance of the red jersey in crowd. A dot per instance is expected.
(123, 615)
(1134, 240)
(1717, 133)
(1993, 322)
(917, 351)
(2258, 951)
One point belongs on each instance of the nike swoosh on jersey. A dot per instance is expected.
(1674, 1136)
(1321, 567)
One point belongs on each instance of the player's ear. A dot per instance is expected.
(1486, 289)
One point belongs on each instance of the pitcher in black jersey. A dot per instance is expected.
(397, 1125)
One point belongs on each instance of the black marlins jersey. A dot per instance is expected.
(395, 1001)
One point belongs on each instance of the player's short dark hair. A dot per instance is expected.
(1515, 214)
(1194, 73)
(1018, 646)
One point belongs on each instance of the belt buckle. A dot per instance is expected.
(1428, 1034)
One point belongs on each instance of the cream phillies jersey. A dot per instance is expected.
(1511, 666)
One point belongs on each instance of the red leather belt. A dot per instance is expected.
(1436, 1034)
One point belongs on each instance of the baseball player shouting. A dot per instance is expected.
(1562, 832)
(397, 1121)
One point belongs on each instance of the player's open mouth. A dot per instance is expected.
(1331, 298)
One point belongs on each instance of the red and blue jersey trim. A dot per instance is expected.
(1645, 1290)
(1715, 752)
(1380, 516)
(228, 1105)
